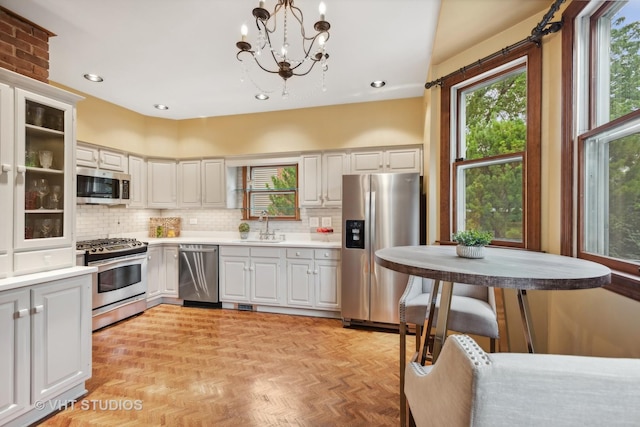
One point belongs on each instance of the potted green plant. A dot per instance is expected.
(471, 243)
(244, 228)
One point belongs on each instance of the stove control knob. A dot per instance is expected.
(93, 249)
(101, 249)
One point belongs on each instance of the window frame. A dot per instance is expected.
(581, 124)
(531, 56)
(248, 192)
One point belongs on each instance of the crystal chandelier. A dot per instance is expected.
(279, 53)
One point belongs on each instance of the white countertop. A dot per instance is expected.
(45, 276)
(310, 240)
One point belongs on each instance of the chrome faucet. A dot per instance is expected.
(264, 234)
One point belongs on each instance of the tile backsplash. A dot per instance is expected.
(100, 221)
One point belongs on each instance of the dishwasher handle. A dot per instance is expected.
(200, 250)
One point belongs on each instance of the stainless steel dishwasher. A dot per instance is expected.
(198, 283)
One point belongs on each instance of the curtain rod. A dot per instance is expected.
(542, 29)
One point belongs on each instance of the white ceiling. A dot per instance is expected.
(182, 52)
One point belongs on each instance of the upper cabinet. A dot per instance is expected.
(6, 177)
(36, 156)
(162, 184)
(93, 157)
(391, 160)
(138, 187)
(213, 183)
(189, 177)
(321, 179)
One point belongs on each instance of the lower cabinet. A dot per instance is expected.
(288, 277)
(251, 275)
(45, 346)
(162, 272)
(313, 278)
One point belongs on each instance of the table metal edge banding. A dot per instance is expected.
(502, 268)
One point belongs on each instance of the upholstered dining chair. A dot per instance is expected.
(468, 387)
(473, 311)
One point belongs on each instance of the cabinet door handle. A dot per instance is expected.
(23, 312)
(149, 257)
(6, 167)
(21, 169)
(297, 253)
(38, 309)
(326, 255)
(252, 269)
(315, 271)
(308, 271)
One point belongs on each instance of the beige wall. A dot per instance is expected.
(398, 122)
(373, 124)
(591, 322)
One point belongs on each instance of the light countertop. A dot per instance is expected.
(310, 240)
(45, 276)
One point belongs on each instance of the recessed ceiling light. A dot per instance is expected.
(161, 106)
(262, 96)
(378, 83)
(93, 77)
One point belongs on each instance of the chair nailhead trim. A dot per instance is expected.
(472, 348)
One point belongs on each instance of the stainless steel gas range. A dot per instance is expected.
(120, 286)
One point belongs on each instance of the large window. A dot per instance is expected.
(491, 150)
(603, 60)
(271, 190)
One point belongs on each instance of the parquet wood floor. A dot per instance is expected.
(212, 367)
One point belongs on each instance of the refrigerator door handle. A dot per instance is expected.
(372, 226)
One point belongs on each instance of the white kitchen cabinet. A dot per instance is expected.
(310, 180)
(161, 184)
(251, 275)
(6, 178)
(154, 278)
(328, 276)
(93, 157)
(138, 184)
(300, 278)
(38, 121)
(313, 278)
(389, 160)
(170, 255)
(234, 278)
(189, 184)
(45, 346)
(321, 179)
(213, 183)
(14, 354)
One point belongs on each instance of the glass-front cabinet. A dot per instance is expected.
(40, 132)
(44, 186)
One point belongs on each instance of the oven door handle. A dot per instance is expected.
(109, 261)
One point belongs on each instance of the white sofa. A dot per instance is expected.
(468, 387)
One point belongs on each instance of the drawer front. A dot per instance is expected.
(44, 260)
(327, 254)
(234, 251)
(299, 253)
(265, 252)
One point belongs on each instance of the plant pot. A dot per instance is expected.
(244, 234)
(470, 251)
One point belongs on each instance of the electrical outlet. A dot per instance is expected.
(326, 221)
(313, 221)
(193, 221)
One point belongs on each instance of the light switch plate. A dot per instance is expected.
(313, 221)
(193, 221)
(326, 221)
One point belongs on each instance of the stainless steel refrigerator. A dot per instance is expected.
(378, 211)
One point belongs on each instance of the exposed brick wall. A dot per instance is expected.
(24, 46)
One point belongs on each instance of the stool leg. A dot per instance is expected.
(403, 359)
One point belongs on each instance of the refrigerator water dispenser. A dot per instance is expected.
(355, 234)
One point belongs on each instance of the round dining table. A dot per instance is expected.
(502, 268)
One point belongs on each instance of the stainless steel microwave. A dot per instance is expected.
(102, 187)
